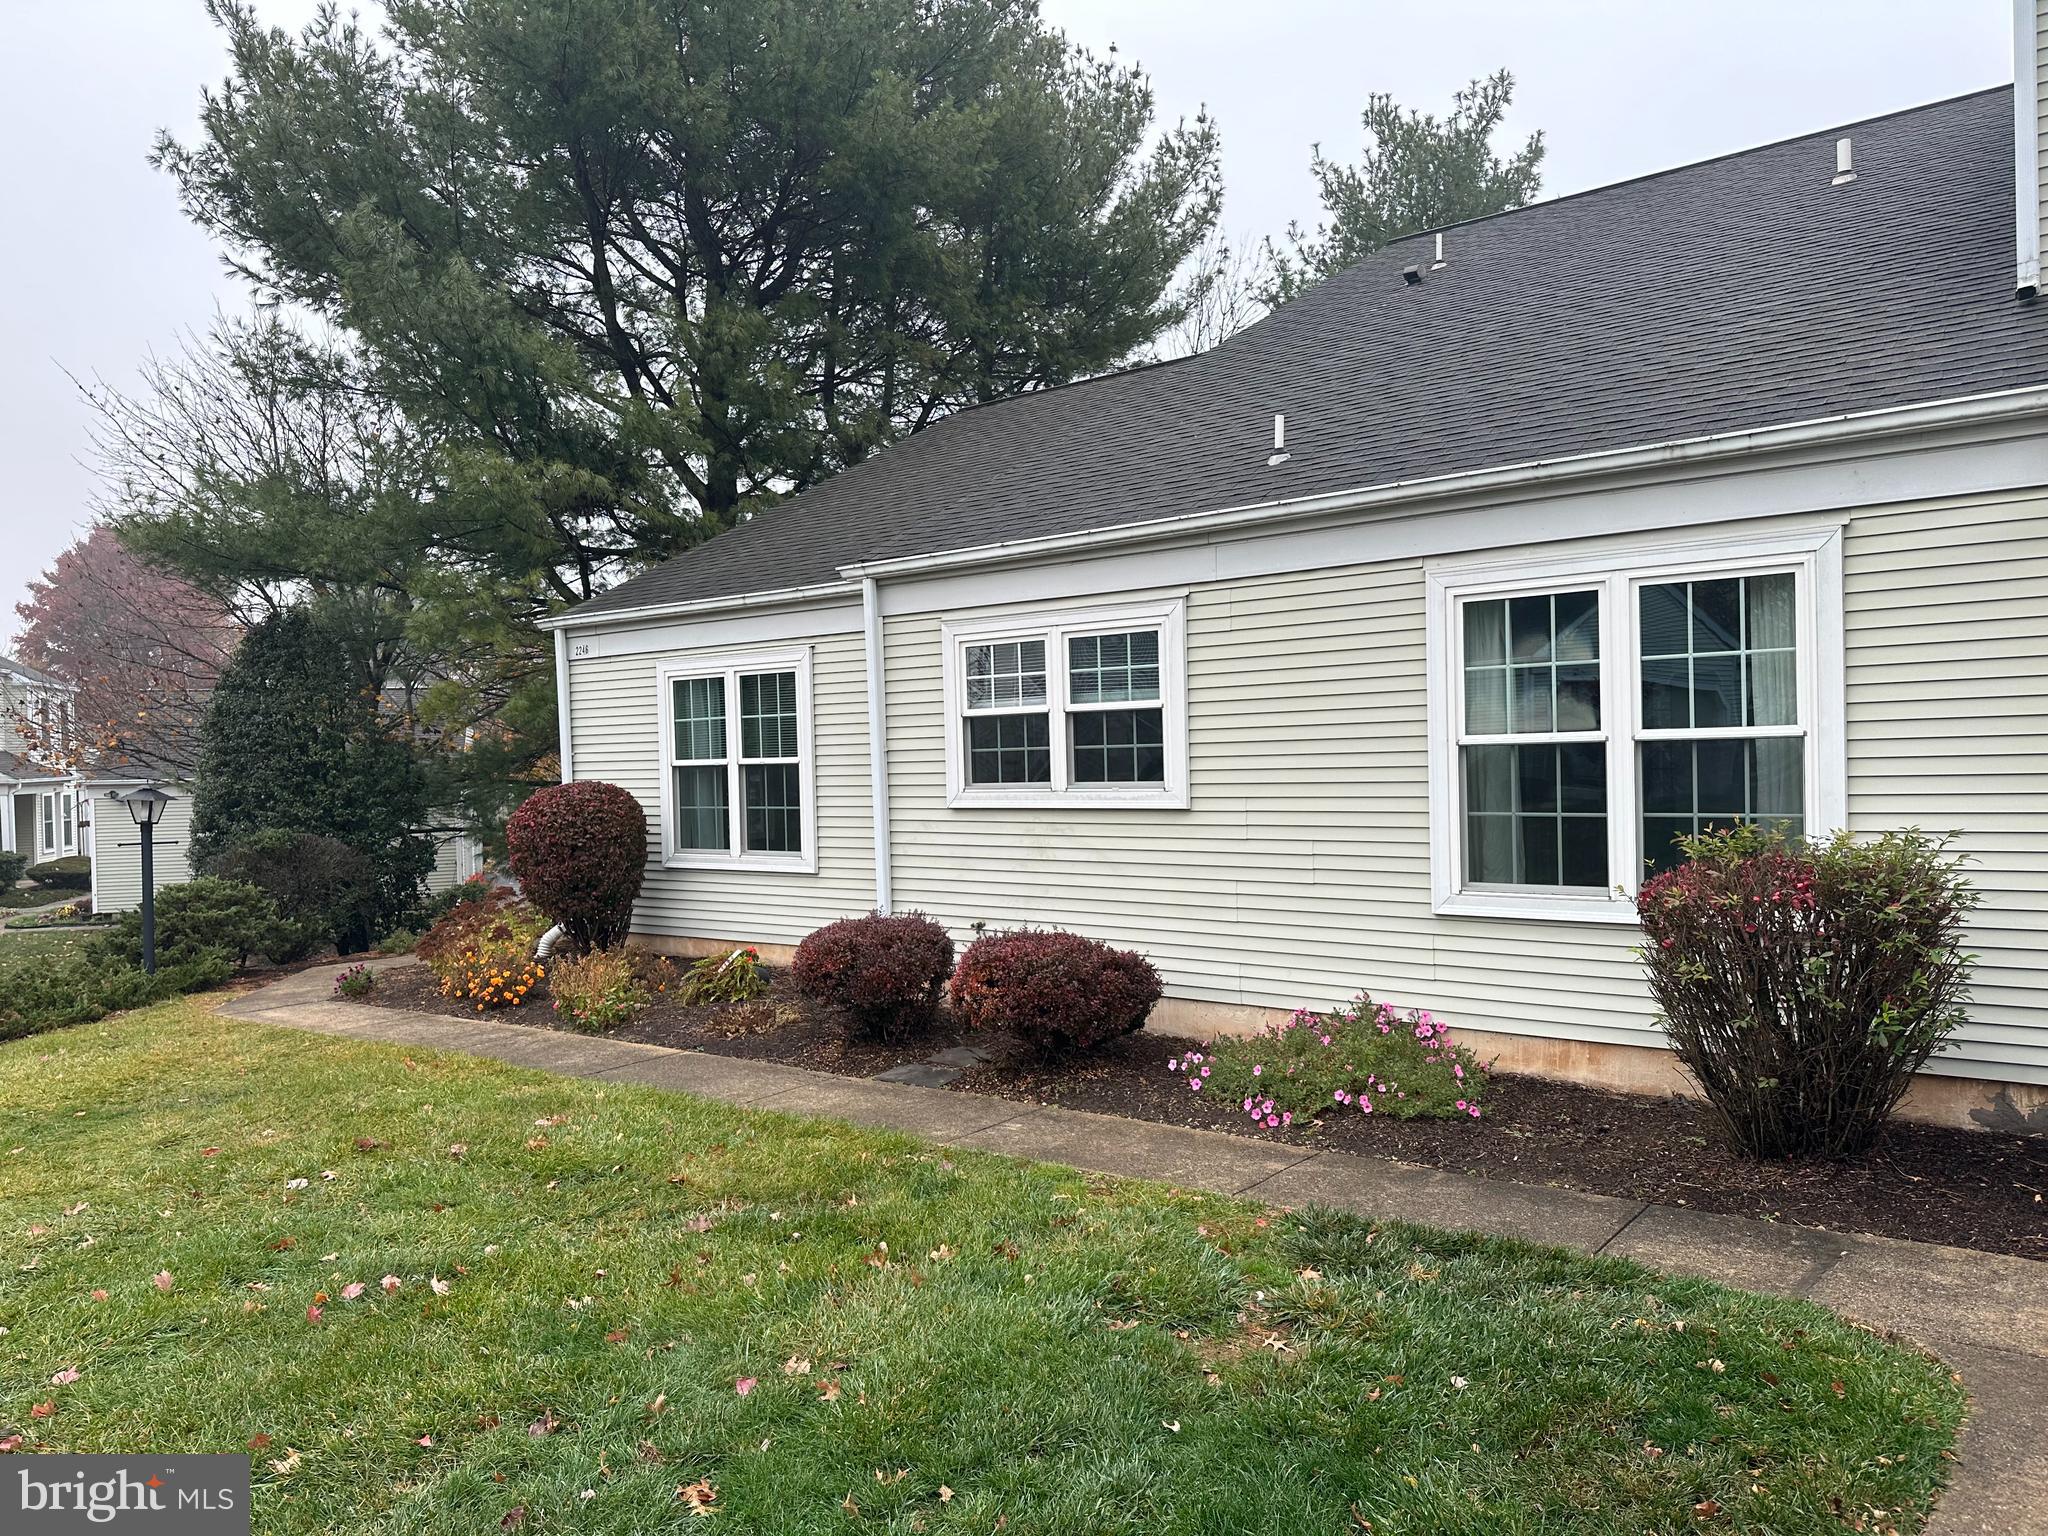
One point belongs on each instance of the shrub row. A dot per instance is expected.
(1055, 992)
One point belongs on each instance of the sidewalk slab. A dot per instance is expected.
(1935, 1293)
(1750, 1255)
(728, 1079)
(1431, 1197)
(1135, 1149)
(2001, 1482)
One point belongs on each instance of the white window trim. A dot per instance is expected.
(46, 825)
(1813, 554)
(729, 665)
(1169, 617)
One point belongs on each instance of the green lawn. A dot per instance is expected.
(15, 942)
(927, 1340)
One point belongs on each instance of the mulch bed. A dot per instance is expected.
(1970, 1189)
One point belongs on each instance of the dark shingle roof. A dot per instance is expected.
(1741, 292)
(25, 770)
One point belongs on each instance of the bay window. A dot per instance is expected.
(1079, 708)
(1591, 711)
(736, 784)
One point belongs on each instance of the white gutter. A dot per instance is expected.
(878, 741)
(574, 618)
(1707, 450)
(2026, 122)
(566, 749)
(1415, 495)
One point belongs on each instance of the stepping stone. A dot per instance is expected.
(919, 1074)
(961, 1056)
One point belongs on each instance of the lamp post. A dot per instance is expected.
(146, 805)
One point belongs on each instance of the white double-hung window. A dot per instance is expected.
(737, 783)
(1589, 711)
(1080, 708)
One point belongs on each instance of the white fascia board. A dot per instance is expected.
(1844, 431)
(783, 597)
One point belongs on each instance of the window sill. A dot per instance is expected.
(1526, 906)
(788, 864)
(995, 798)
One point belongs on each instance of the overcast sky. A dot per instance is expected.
(99, 268)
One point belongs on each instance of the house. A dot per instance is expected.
(1390, 642)
(39, 813)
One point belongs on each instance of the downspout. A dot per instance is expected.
(545, 948)
(565, 751)
(878, 738)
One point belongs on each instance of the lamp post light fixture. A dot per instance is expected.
(146, 804)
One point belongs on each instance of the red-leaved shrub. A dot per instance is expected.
(887, 972)
(579, 852)
(1056, 992)
(1804, 985)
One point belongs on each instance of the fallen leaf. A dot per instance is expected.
(796, 1365)
(42, 1410)
(459, 1150)
(65, 1377)
(1460, 1383)
(209, 1151)
(440, 1286)
(1172, 1425)
(828, 1391)
(543, 1426)
(10, 1443)
(616, 1336)
(513, 1518)
(99, 1295)
(161, 1279)
(367, 1143)
(945, 1494)
(1838, 1389)
(352, 1290)
(76, 1210)
(745, 1385)
(259, 1442)
(313, 1314)
(286, 1464)
(426, 1440)
(698, 1497)
(390, 1283)
(660, 1402)
(1706, 1509)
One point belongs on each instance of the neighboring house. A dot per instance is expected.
(117, 844)
(39, 811)
(1389, 643)
(117, 841)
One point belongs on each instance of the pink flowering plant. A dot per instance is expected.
(1362, 1057)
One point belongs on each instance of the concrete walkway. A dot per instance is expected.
(1986, 1314)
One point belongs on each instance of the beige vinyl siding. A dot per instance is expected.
(615, 718)
(457, 856)
(1300, 872)
(117, 849)
(1947, 657)
(1301, 869)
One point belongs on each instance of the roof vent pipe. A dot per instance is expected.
(1845, 162)
(1279, 455)
(1439, 262)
